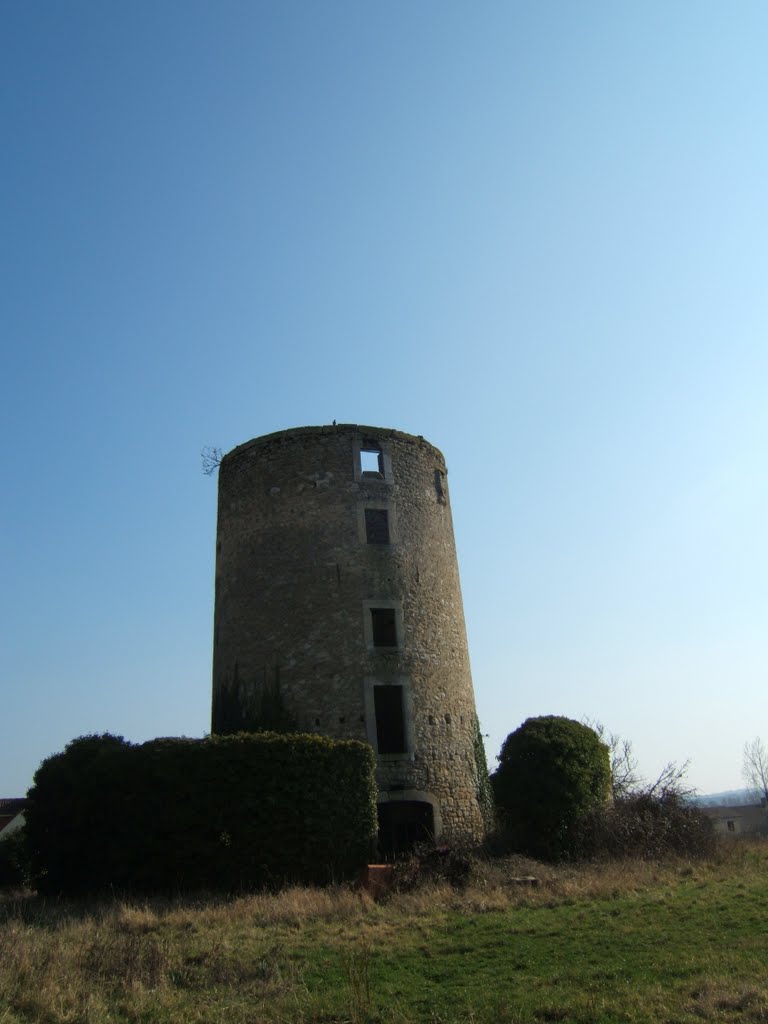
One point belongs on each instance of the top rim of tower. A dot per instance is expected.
(368, 432)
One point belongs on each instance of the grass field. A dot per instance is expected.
(632, 942)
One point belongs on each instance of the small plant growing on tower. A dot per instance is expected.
(482, 779)
(211, 458)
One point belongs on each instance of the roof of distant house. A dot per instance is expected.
(10, 808)
(12, 804)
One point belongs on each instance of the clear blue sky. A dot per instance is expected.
(535, 233)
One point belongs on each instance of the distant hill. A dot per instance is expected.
(728, 798)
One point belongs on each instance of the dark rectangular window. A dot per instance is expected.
(384, 627)
(371, 462)
(377, 526)
(390, 720)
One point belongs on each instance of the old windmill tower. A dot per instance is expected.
(338, 609)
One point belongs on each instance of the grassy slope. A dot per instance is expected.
(628, 942)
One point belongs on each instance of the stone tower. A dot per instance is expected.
(338, 611)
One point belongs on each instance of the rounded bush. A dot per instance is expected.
(552, 772)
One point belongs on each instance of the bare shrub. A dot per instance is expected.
(648, 824)
(755, 768)
(433, 866)
(625, 770)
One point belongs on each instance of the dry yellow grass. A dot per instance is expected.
(254, 958)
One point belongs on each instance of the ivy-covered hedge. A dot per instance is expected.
(552, 772)
(233, 812)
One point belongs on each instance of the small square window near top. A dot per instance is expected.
(376, 526)
(371, 462)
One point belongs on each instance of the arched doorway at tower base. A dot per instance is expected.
(405, 822)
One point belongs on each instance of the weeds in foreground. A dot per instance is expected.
(357, 968)
(593, 944)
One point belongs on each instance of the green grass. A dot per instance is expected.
(592, 945)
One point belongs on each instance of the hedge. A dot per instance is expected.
(227, 813)
(552, 772)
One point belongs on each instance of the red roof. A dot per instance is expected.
(12, 804)
(9, 808)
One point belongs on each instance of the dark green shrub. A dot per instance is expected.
(234, 812)
(14, 868)
(65, 820)
(552, 772)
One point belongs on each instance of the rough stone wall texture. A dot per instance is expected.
(295, 579)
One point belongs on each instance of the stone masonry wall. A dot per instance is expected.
(295, 579)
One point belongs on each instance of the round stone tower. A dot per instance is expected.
(338, 611)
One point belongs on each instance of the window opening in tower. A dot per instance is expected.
(390, 720)
(384, 627)
(377, 526)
